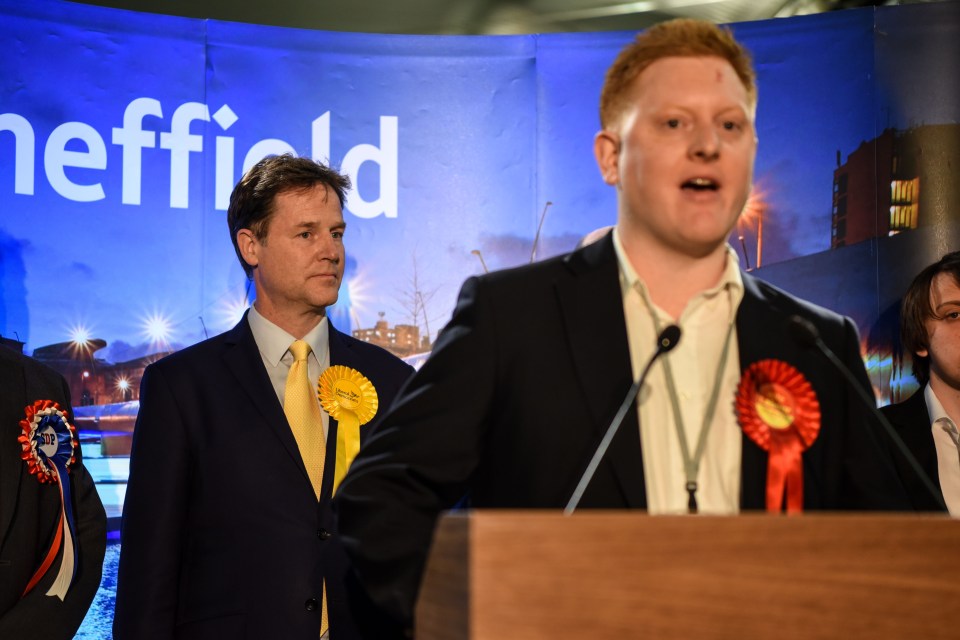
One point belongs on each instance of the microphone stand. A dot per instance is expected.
(666, 341)
(807, 334)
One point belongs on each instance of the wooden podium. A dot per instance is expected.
(514, 575)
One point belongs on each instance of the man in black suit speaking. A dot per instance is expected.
(535, 361)
(38, 598)
(227, 526)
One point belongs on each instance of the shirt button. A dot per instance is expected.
(311, 604)
(323, 534)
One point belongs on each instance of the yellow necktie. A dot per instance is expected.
(303, 413)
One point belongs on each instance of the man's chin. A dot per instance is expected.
(324, 299)
(699, 248)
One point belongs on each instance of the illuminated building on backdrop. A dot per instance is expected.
(898, 181)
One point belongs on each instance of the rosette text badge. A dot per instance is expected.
(779, 411)
(47, 441)
(350, 399)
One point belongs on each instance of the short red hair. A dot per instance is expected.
(682, 37)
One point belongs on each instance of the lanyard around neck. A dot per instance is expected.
(691, 463)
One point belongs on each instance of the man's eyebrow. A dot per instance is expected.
(945, 303)
(733, 107)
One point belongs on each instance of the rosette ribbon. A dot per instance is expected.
(350, 399)
(48, 441)
(778, 410)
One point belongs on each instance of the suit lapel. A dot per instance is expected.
(917, 438)
(591, 303)
(11, 411)
(753, 315)
(912, 422)
(340, 354)
(340, 351)
(243, 360)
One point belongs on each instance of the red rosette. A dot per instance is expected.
(778, 409)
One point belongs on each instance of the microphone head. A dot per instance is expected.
(803, 331)
(668, 338)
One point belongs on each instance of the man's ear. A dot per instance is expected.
(923, 353)
(249, 245)
(606, 148)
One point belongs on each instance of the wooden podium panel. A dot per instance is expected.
(598, 575)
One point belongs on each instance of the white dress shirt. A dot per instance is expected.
(704, 323)
(947, 441)
(274, 345)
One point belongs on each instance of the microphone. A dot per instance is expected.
(807, 335)
(666, 341)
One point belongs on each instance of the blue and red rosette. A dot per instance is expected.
(48, 441)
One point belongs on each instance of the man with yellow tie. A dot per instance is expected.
(242, 440)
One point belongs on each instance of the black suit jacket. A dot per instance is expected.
(521, 386)
(911, 420)
(29, 512)
(222, 535)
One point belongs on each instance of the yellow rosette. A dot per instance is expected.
(350, 399)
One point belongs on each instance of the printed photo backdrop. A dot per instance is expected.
(122, 135)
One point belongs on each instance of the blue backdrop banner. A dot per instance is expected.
(122, 135)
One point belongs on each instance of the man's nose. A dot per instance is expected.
(705, 144)
(328, 249)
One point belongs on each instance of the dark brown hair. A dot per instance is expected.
(252, 200)
(916, 310)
